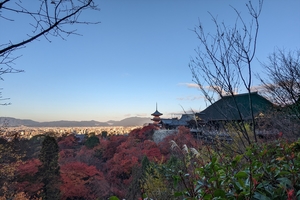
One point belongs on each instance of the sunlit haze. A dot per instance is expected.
(136, 57)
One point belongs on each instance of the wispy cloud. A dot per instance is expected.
(220, 90)
(259, 88)
(190, 98)
(209, 88)
(137, 115)
(189, 85)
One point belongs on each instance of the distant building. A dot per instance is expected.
(156, 116)
(187, 120)
(228, 108)
(236, 108)
(80, 138)
(212, 121)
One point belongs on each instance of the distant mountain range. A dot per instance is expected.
(131, 121)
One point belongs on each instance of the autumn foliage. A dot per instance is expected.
(100, 170)
(81, 181)
(29, 167)
(27, 180)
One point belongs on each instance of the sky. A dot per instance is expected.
(137, 57)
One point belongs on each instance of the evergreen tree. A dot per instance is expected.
(135, 189)
(92, 141)
(49, 170)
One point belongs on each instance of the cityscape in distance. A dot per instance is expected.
(130, 121)
(28, 128)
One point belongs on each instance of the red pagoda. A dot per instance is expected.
(156, 118)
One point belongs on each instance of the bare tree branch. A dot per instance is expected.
(52, 18)
(223, 61)
(282, 85)
(47, 23)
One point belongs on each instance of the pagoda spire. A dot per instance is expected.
(156, 114)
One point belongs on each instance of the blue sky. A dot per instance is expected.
(136, 57)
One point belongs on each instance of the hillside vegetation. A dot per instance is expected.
(135, 167)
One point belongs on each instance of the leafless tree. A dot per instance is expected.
(223, 62)
(282, 86)
(47, 18)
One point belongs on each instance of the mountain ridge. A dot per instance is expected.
(130, 121)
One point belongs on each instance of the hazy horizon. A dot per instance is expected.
(76, 120)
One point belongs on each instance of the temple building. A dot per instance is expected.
(156, 116)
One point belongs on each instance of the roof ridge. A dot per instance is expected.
(242, 94)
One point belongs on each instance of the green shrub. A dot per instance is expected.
(264, 171)
(92, 141)
(104, 134)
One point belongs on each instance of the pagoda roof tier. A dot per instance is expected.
(156, 113)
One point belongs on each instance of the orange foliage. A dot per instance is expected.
(143, 133)
(67, 142)
(116, 157)
(128, 155)
(27, 182)
(66, 155)
(114, 142)
(81, 181)
(29, 167)
(86, 155)
(151, 150)
(125, 158)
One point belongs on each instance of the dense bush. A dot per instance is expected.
(264, 171)
(92, 141)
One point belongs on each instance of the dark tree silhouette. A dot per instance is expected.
(92, 141)
(49, 170)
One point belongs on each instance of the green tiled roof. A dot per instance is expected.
(229, 107)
